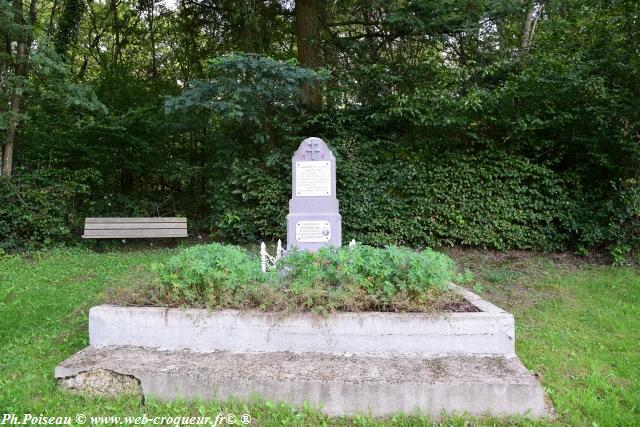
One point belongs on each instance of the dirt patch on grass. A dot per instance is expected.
(512, 256)
(517, 279)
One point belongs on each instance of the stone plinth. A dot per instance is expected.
(314, 220)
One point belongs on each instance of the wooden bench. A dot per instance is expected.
(133, 228)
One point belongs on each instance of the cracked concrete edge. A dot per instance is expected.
(101, 382)
(516, 393)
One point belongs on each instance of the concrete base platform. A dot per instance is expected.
(490, 330)
(337, 384)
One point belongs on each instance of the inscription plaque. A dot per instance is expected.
(313, 179)
(313, 231)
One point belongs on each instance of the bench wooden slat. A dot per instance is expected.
(128, 220)
(132, 228)
(136, 226)
(131, 234)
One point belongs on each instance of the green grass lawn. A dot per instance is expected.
(578, 327)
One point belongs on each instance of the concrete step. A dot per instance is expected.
(489, 331)
(337, 384)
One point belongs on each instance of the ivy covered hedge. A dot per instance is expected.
(488, 199)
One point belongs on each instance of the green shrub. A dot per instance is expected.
(358, 279)
(42, 208)
(207, 274)
(250, 205)
(380, 273)
(624, 224)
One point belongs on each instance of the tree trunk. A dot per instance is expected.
(7, 152)
(7, 159)
(113, 5)
(23, 43)
(152, 39)
(533, 14)
(309, 17)
(4, 106)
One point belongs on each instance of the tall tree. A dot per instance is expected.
(68, 25)
(534, 10)
(19, 57)
(310, 15)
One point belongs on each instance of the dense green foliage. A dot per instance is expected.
(383, 275)
(41, 208)
(348, 279)
(565, 315)
(501, 124)
(199, 275)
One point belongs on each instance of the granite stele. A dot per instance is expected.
(314, 220)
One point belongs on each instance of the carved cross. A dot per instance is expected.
(313, 150)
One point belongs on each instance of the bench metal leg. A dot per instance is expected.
(98, 249)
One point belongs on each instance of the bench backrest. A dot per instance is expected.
(123, 228)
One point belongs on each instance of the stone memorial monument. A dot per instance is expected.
(314, 220)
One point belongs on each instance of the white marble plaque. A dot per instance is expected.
(313, 231)
(313, 179)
